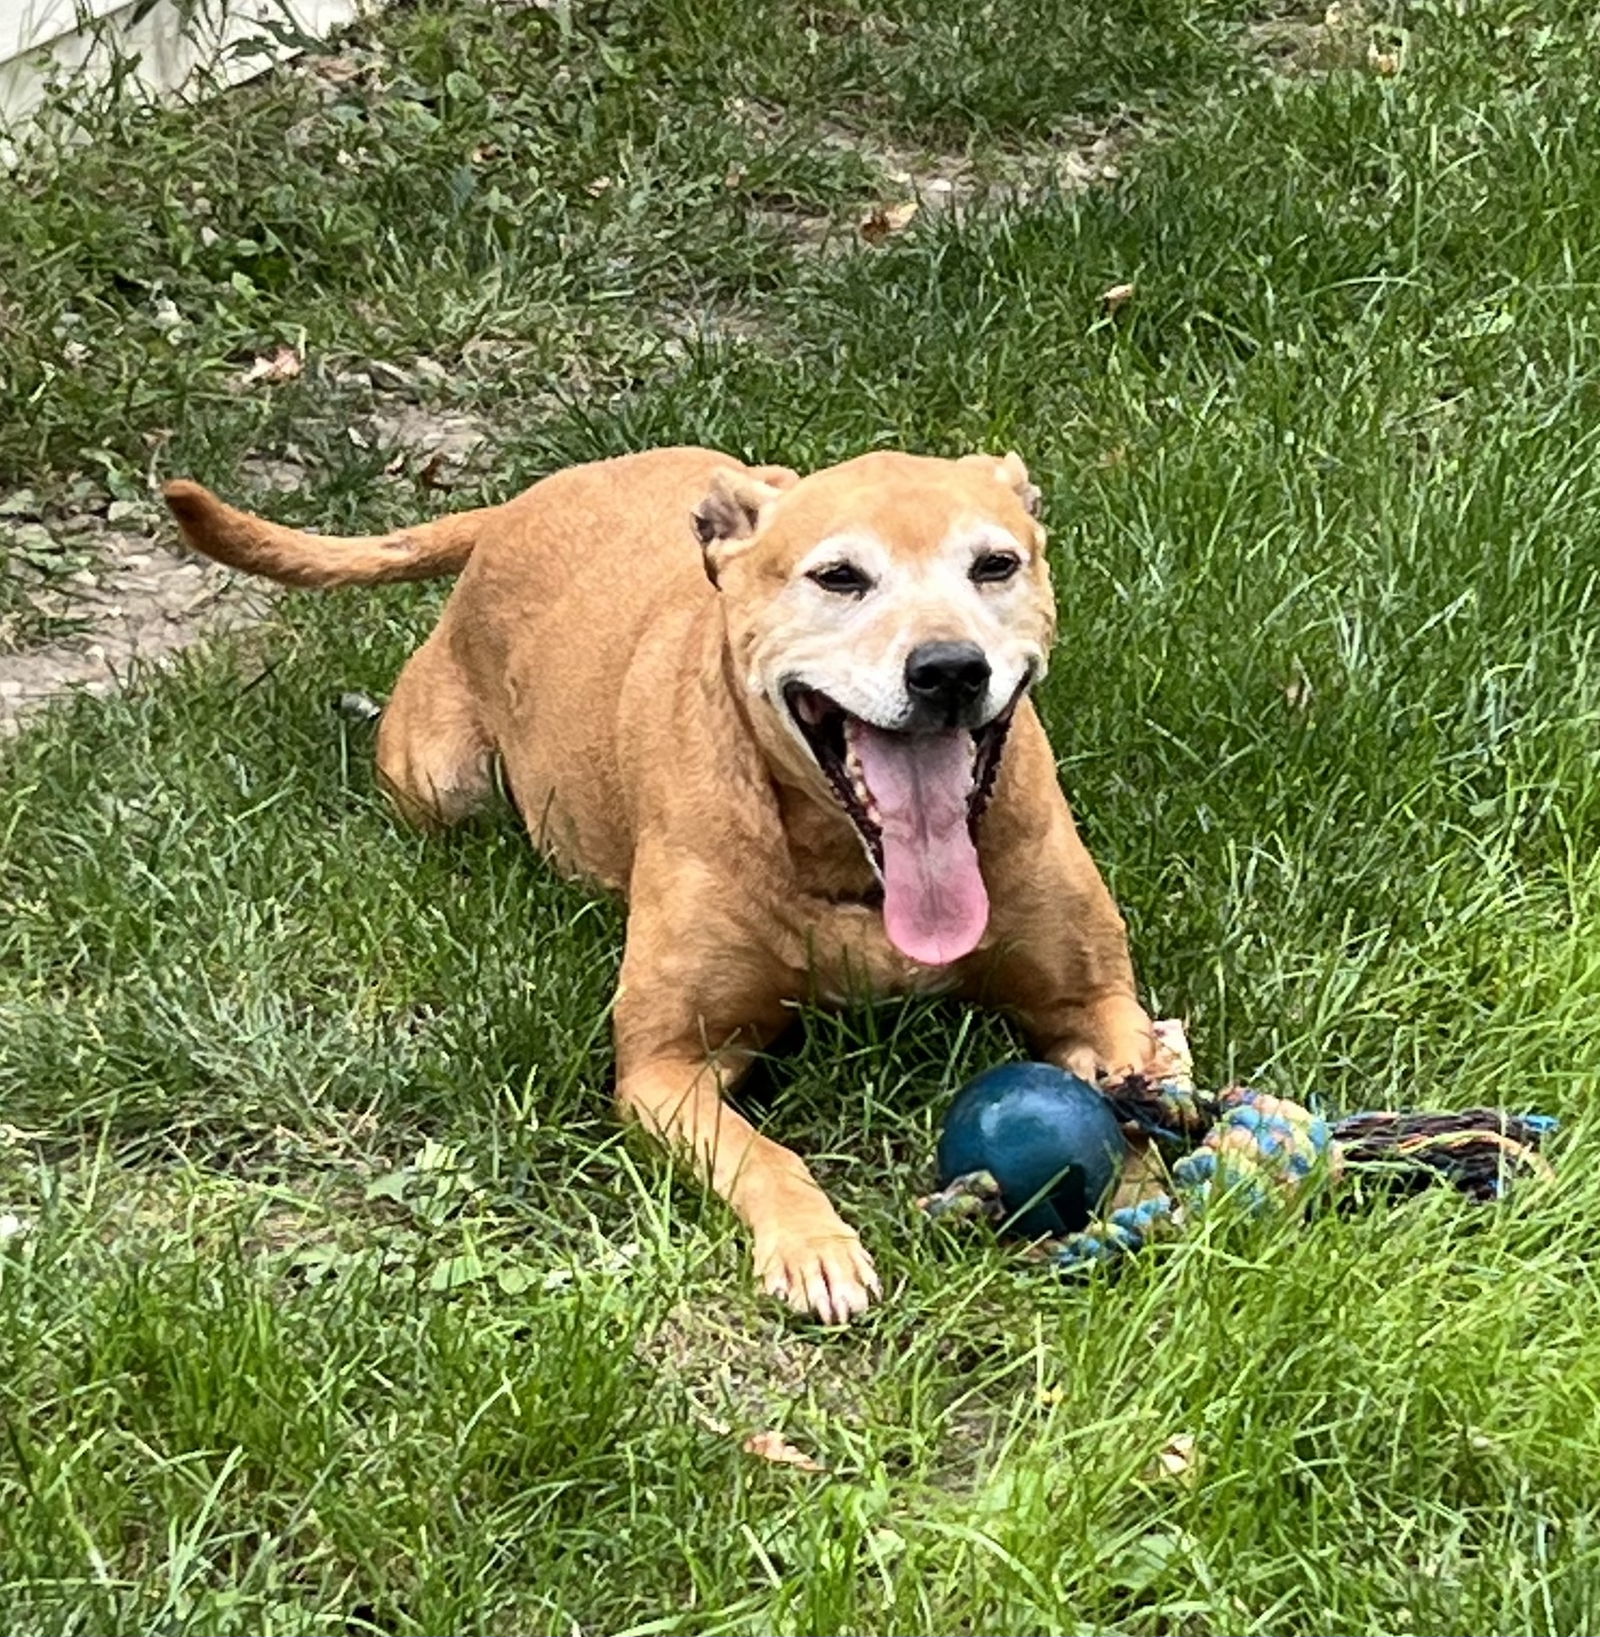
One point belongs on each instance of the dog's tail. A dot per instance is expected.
(426, 552)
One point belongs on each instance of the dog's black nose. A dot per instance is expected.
(947, 675)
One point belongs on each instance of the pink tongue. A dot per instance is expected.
(935, 905)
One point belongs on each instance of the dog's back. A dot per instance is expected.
(603, 506)
(573, 599)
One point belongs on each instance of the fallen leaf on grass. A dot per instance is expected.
(884, 221)
(1297, 690)
(337, 71)
(283, 365)
(772, 1446)
(435, 473)
(1177, 1461)
(1116, 298)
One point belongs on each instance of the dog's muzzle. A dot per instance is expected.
(915, 794)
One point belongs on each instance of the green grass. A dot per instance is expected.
(342, 1305)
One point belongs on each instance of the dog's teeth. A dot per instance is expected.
(858, 781)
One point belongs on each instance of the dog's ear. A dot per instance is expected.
(735, 507)
(1009, 470)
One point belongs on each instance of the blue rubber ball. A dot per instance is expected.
(1048, 1139)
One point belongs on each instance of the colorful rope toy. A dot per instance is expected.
(1186, 1148)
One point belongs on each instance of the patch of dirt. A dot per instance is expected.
(739, 1378)
(1080, 156)
(1314, 40)
(441, 446)
(149, 1210)
(116, 592)
(134, 603)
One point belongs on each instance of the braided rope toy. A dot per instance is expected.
(1265, 1151)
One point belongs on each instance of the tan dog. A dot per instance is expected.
(802, 747)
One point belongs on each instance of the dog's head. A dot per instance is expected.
(886, 616)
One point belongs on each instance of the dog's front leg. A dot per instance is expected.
(1063, 971)
(805, 1254)
(1072, 992)
(690, 1013)
(1061, 964)
(1105, 1038)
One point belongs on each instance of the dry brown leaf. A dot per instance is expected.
(1117, 297)
(435, 473)
(884, 221)
(774, 1447)
(337, 70)
(1177, 1461)
(283, 365)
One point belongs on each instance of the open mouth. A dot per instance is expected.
(835, 737)
(916, 800)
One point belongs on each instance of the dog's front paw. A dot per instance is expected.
(819, 1269)
(1116, 1040)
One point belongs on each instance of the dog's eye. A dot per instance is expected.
(844, 578)
(995, 566)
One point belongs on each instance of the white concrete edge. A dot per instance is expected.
(171, 47)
